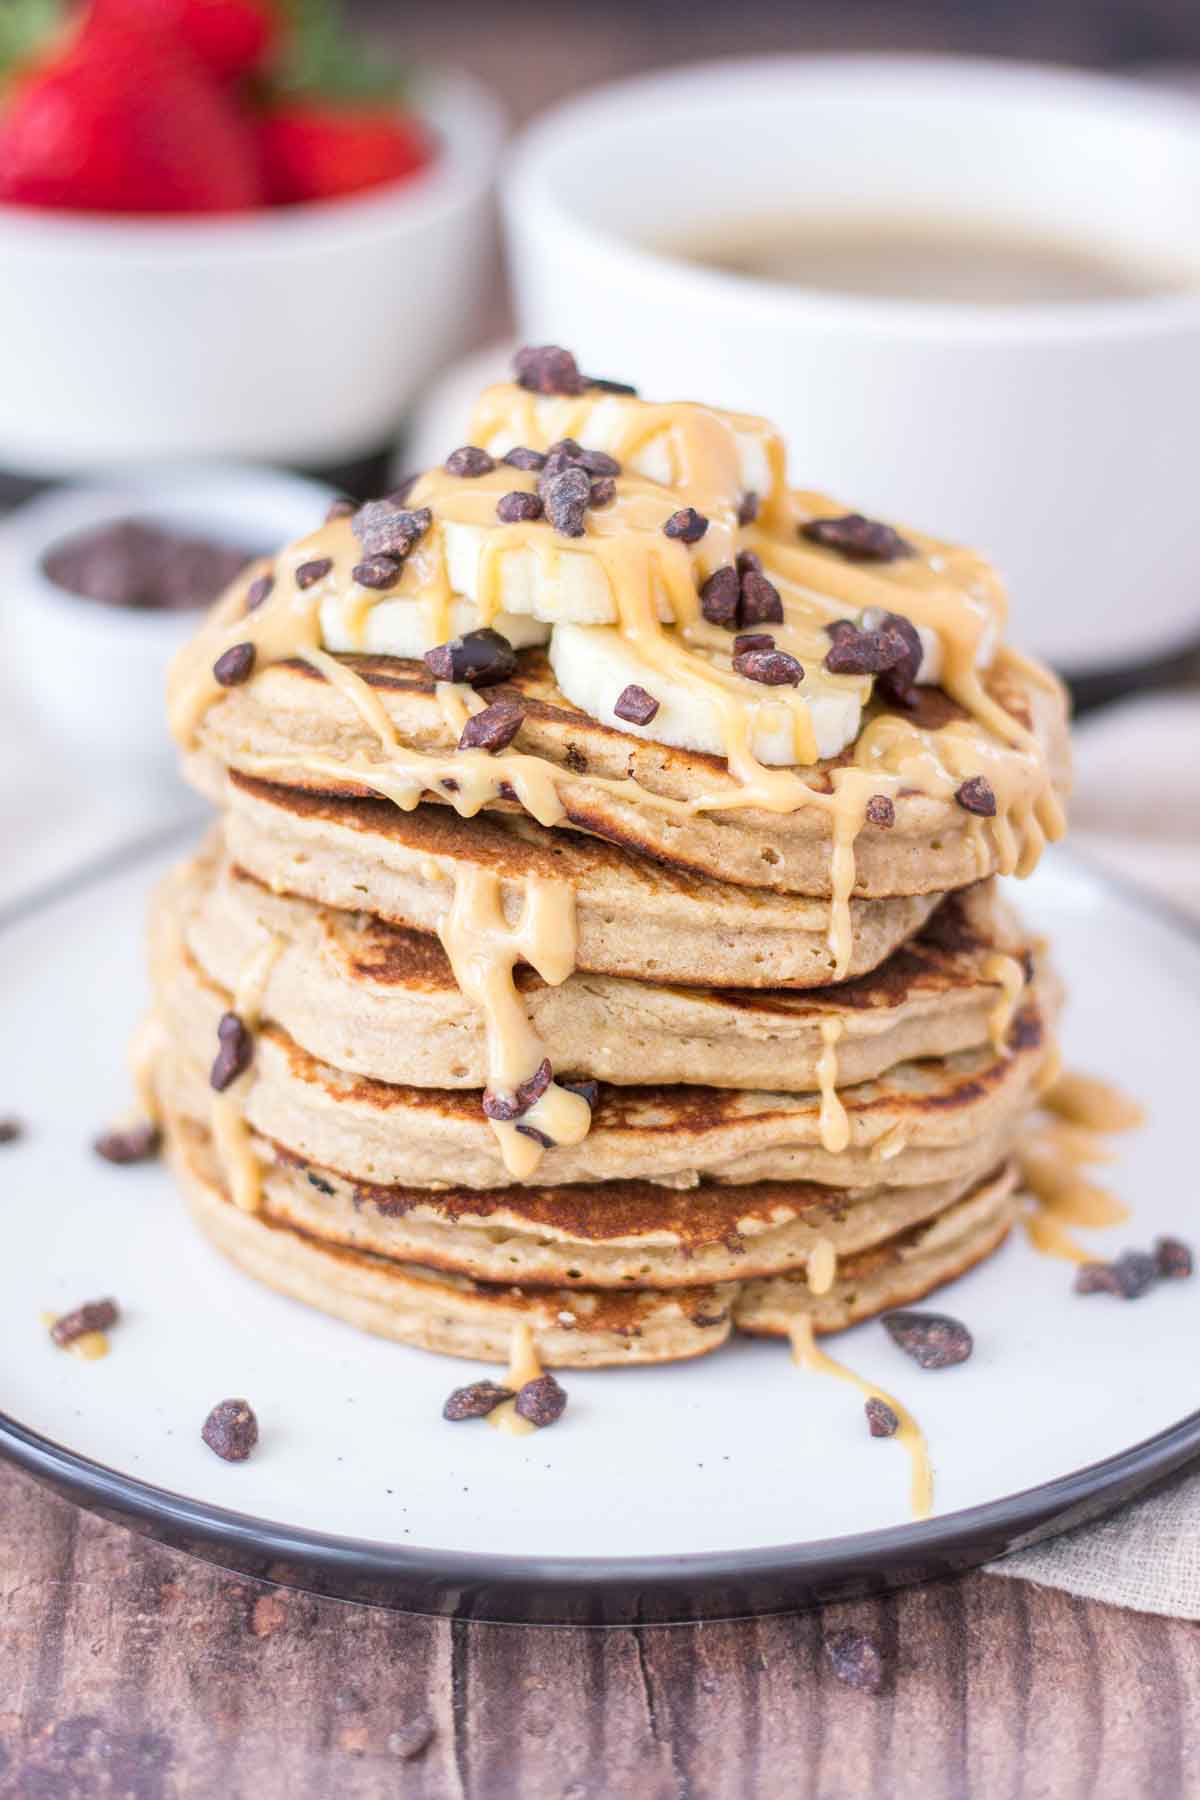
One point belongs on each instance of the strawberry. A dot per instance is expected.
(121, 120)
(229, 37)
(318, 150)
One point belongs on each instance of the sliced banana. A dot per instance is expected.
(605, 422)
(410, 627)
(593, 664)
(547, 581)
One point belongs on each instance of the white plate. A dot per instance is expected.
(738, 1460)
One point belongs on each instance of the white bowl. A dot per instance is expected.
(1061, 439)
(297, 335)
(94, 673)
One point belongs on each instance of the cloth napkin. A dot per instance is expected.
(1136, 813)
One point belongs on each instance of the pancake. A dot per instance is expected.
(943, 1119)
(578, 1327)
(893, 1274)
(447, 1313)
(289, 712)
(380, 1000)
(635, 918)
(603, 1235)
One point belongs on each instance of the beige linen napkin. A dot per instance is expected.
(1136, 813)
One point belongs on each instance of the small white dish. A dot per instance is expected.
(736, 1482)
(1060, 439)
(297, 335)
(95, 673)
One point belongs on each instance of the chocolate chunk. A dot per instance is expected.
(774, 668)
(11, 1131)
(318, 1181)
(231, 1430)
(258, 591)
(506, 1107)
(761, 604)
(720, 595)
(134, 1144)
(1128, 1277)
(752, 640)
(541, 1401)
(688, 525)
(609, 387)
(521, 457)
(494, 728)
(384, 528)
(310, 572)
(469, 461)
(881, 1419)
(547, 369)
(566, 497)
(235, 1054)
(587, 1090)
(859, 538)
(1173, 1259)
(518, 507)
(598, 462)
(480, 658)
(976, 796)
(635, 705)
(883, 644)
(381, 572)
(881, 811)
(934, 1340)
(235, 666)
(94, 1315)
(747, 509)
(476, 1401)
(857, 1660)
(341, 508)
(603, 492)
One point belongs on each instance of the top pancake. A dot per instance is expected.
(289, 711)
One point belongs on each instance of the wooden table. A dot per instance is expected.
(131, 1672)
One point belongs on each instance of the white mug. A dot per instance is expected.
(1061, 439)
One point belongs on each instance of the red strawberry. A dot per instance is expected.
(229, 37)
(320, 151)
(122, 121)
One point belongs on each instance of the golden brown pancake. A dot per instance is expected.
(289, 710)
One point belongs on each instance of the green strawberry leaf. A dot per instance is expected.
(321, 56)
(26, 26)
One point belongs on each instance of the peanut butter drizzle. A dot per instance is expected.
(909, 1433)
(1055, 1152)
(483, 949)
(835, 1126)
(654, 582)
(523, 1366)
(1008, 972)
(821, 1269)
(230, 1132)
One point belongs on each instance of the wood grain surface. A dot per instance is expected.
(131, 1672)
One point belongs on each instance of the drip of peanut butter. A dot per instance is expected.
(908, 1433)
(834, 1125)
(230, 1132)
(695, 456)
(1056, 1153)
(523, 1366)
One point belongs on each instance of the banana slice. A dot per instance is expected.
(604, 421)
(593, 664)
(548, 585)
(409, 627)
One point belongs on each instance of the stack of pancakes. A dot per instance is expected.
(793, 1083)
